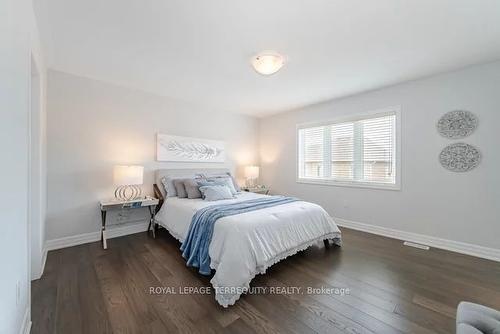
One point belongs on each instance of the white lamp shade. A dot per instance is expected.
(128, 175)
(252, 172)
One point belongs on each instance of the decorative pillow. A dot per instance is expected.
(168, 183)
(216, 193)
(169, 189)
(224, 180)
(179, 188)
(235, 184)
(210, 182)
(192, 188)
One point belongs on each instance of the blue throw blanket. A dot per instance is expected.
(195, 247)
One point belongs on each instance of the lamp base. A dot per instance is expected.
(251, 183)
(128, 193)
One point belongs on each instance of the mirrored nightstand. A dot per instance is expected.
(149, 202)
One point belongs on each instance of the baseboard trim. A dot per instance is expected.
(39, 271)
(42, 264)
(26, 325)
(44, 260)
(112, 232)
(450, 245)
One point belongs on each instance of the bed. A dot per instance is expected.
(245, 244)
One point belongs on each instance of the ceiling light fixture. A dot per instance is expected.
(268, 62)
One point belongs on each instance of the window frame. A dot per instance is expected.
(394, 110)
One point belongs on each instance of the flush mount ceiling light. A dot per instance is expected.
(268, 62)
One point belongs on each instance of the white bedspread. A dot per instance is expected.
(247, 244)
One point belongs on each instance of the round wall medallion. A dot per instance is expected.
(457, 124)
(459, 157)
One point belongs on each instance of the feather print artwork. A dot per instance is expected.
(193, 150)
(175, 148)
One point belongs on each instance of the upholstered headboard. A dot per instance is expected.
(188, 172)
(158, 189)
(160, 173)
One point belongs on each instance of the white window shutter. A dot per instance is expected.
(357, 151)
(342, 151)
(312, 152)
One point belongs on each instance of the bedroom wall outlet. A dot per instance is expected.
(415, 245)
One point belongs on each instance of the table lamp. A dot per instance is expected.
(128, 179)
(251, 175)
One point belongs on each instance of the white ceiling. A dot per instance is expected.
(200, 51)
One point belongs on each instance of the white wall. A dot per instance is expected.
(462, 207)
(94, 125)
(38, 166)
(19, 41)
(38, 148)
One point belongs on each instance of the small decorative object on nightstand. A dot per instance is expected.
(259, 189)
(149, 202)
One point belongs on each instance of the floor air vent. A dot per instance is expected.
(415, 245)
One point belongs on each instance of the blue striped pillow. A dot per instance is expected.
(216, 192)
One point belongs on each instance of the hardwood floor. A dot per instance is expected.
(392, 289)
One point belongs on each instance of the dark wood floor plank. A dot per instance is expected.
(68, 308)
(413, 278)
(256, 320)
(315, 315)
(452, 263)
(413, 312)
(136, 278)
(93, 309)
(288, 315)
(44, 297)
(189, 309)
(198, 308)
(434, 305)
(340, 305)
(368, 293)
(393, 289)
(425, 263)
(147, 306)
(121, 316)
(240, 327)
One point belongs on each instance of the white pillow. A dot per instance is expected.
(216, 193)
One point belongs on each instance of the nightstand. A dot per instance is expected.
(258, 190)
(149, 202)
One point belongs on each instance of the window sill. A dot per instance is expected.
(380, 186)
